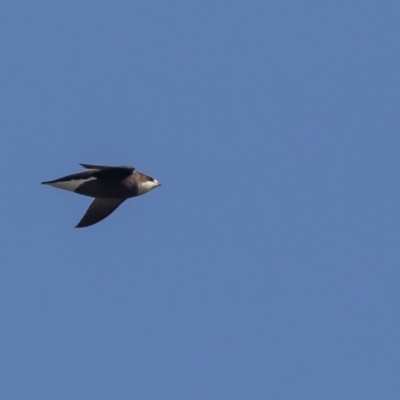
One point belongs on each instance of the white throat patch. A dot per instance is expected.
(146, 186)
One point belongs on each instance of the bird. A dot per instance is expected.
(109, 185)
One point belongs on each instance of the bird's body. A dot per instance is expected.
(110, 186)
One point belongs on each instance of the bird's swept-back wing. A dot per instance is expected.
(98, 210)
(90, 166)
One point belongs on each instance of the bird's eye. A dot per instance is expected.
(150, 179)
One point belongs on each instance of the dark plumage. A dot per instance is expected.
(110, 186)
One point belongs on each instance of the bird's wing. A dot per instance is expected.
(109, 173)
(98, 210)
(90, 166)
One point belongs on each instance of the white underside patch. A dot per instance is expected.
(70, 185)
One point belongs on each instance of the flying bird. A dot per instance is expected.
(110, 187)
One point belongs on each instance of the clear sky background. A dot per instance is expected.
(267, 265)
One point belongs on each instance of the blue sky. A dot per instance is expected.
(267, 265)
